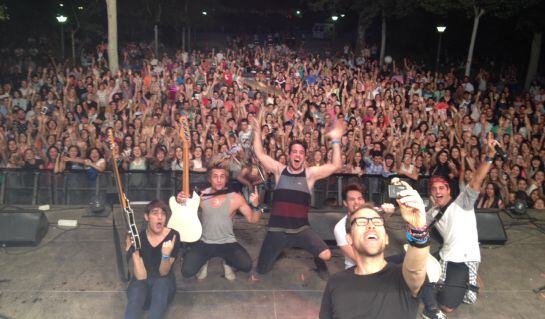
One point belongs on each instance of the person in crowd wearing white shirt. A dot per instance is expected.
(454, 219)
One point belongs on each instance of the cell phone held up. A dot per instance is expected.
(394, 190)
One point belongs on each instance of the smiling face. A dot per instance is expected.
(440, 192)
(296, 157)
(354, 200)
(369, 240)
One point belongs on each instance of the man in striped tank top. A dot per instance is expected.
(288, 223)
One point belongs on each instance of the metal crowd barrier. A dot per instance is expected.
(24, 187)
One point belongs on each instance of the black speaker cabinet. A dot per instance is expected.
(22, 228)
(490, 227)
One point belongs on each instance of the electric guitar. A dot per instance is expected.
(185, 218)
(129, 213)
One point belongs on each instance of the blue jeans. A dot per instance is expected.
(157, 292)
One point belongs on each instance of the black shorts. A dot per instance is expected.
(455, 286)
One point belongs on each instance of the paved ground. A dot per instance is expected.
(72, 274)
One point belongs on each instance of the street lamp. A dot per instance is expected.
(440, 30)
(62, 20)
(204, 13)
(334, 18)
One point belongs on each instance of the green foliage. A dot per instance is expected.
(3, 12)
(531, 17)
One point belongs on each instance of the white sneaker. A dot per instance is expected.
(203, 272)
(228, 272)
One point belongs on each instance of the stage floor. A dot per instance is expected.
(73, 274)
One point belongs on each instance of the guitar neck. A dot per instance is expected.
(120, 192)
(185, 176)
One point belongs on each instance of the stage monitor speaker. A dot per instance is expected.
(490, 227)
(22, 228)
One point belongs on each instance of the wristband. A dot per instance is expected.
(418, 233)
(335, 142)
(417, 229)
(165, 257)
(488, 159)
(418, 242)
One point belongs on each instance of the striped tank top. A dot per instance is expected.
(290, 203)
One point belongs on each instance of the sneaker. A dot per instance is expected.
(228, 272)
(433, 313)
(203, 272)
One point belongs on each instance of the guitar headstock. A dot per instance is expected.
(185, 131)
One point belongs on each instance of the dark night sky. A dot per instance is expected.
(413, 35)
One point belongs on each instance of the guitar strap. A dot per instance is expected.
(221, 192)
(432, 229)
(439, 215)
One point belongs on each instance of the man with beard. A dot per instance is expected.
(288, 222)
(353, 200)
(454, 219)
(219, 207)
(375, 288)
(153, 281)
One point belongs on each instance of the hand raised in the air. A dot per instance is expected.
(412, 207)
(254, 197)
(168, 246)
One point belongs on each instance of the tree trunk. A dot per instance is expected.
(188, 39)
(533, 64)
(113, 58)
(383, 40)
(156, 40)
(72, 38)
(156, 29)
(183, 38)
(478, 13)
(362, 27)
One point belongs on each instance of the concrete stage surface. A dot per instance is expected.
(73, 274)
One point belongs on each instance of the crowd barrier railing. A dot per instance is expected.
(41, 187)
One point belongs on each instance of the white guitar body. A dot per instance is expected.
(185, 218)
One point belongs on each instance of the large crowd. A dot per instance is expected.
(400, 117)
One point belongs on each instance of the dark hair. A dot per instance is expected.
(297, 142)
(352, 187)
(497, 194)
(93, 149)
(376, 153)
(157, 203)
(49, 149)
(77, 149)
(348, 224)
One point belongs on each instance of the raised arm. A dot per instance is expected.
(251, 215)
(413, 212)
(482, 170)
(319, 172)
(268, 162)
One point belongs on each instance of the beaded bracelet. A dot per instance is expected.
(419, 242)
